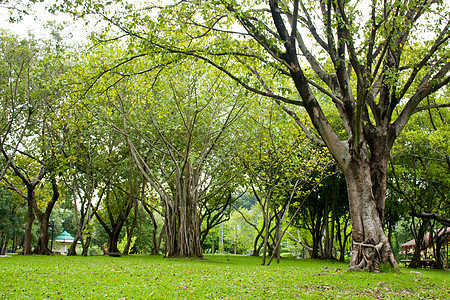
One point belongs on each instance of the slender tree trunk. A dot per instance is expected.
(416, 260)
(160, 238)
(266, 233)
(73, 247)
(316, 240)
(389, 228)
(326, 224)
(4, 246)
(277, 237)
(342, 238)
(29, 225)
(86, 245)
(213, 250)
(256, 247)
(330, 239)
(130, 232)
(2, 242)
(155, 244)
(13, 247)
(316, 232)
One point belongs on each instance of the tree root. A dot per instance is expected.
(369, 256)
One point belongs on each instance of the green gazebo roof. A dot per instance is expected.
(64, 237)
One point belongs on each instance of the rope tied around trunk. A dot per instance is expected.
(368, 261)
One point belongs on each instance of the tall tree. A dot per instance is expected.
(31, 104)
(369, 65)
(179, 134)
(189, 148)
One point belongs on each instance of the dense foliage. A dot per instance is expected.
(223, 126)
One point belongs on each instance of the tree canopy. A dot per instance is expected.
(171, 88)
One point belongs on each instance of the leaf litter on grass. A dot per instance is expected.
(218, 277)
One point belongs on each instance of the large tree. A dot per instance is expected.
(180, 134)
(374, 60)
(184, 147)
(369, 65)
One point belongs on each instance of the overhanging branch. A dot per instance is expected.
(433, 216)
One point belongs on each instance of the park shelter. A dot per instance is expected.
(62, 242)
(428, 241)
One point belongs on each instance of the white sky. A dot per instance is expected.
(35, 23)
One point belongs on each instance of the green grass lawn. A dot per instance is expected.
(216, 277)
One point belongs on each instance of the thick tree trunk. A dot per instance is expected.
(439, 256)
(182, 230)
(182, 220)
(370, 246)
(170, 228)
(113, 240)
(42, 244)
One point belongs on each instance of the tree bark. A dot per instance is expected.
(43, 218)
(182, 220)
(86, 245)
(370, 246)
(439, 256)
(418, 237)
(4, 244)
(30, 198)
(130, 232)
(329, 237)
(342, 238)
(116, 226)
(256, 247)
(155, 243)
(73, 247)
(28, 226)
(183, 229)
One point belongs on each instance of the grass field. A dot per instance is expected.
(215, 277)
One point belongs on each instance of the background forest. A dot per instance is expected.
(170, 130)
